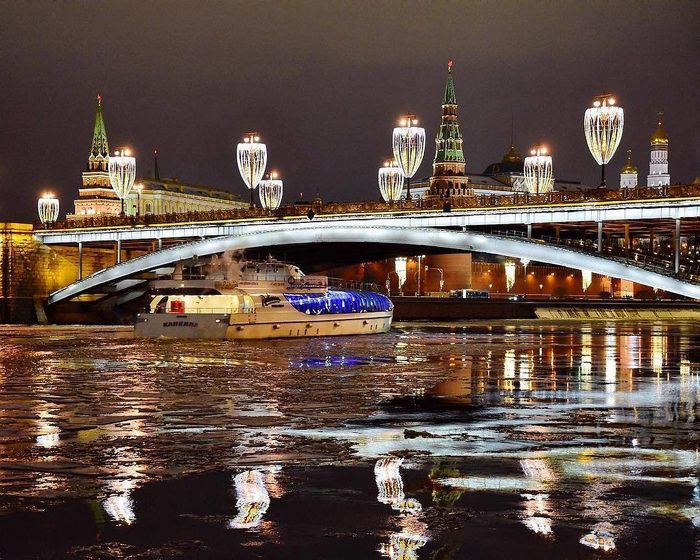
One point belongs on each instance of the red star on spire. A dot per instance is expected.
(449, 65)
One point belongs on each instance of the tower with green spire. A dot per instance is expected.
(449, 165)
(99, 152)
(96, 196)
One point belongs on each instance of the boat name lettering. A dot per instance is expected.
(180, 324)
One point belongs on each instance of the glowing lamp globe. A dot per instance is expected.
(390, 178)
(538, 171)
(270, 192)
(408, 142)
(603, 124)
(47, 206)
(252, 159)
(122, 173)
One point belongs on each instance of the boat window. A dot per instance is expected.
(339, 301)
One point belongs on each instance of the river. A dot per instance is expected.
(434, 441)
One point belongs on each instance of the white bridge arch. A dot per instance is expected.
(356, 233)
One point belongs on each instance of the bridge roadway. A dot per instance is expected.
(366, 232)
(598, 212)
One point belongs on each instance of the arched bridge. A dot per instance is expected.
(157, 262)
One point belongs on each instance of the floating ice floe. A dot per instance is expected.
(602, 537)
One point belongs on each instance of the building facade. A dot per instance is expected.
(658, 162)
(170, 196)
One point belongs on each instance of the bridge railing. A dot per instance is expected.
(317, 207)
(688, 270)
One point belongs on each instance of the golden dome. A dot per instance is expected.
(628, 167)
(511, 156)
(659, 136)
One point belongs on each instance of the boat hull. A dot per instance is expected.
(250, 327)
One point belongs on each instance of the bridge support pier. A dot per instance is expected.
(677, 246)
(80, 260)
(119, 251)
(600, 237)
(628, 241)
(160, 243)
(529, 231)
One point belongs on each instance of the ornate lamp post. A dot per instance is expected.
(442, 275)
(603, 124)
(409, 147)
(538, 171)
(270, 192)
(122, 173)
(252, 159)
(390, 178)
(47, 207)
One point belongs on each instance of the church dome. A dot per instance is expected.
(511, 163)
(628, 167)
(659, 136)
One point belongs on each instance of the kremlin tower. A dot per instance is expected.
(448, 177)
(96, 195)
(658, 164)
(628, 173)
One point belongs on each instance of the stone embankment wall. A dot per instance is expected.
(29, 269)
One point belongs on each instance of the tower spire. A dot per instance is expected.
(100, 147)
(156, 174)
(449, 98)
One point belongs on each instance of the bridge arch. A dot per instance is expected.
(356, 233)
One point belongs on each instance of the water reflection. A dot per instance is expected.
(120, 505)
(567, 426)
(252, 500)
(403, 545)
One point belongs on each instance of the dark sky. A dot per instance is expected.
(325, 81)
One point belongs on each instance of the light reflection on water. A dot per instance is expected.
(570, 414)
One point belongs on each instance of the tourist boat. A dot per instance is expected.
(268, 299)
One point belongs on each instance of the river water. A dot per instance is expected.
(434, 441)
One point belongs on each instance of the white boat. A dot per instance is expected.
(268, 300)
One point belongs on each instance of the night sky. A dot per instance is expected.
(324, 83)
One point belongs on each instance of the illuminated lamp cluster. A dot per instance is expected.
(538, 173)
(400, 267)
(510, 275)
(408, 143)
(122, 173)
(252, 159)
(602, 125)
(391, 180)
(270, 192)
(47, 206)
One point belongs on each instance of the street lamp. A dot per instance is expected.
(602, 125)
(390, 178)
(139, 189)
(47, 207)
(270, 192)
(442, 276)
(408, 142)
(538, 171)
(122, 173)
(252, 158)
